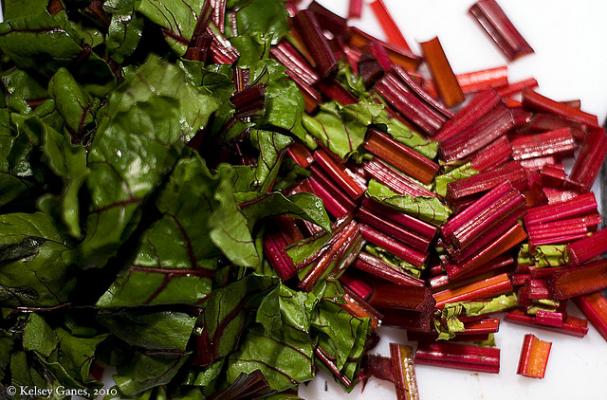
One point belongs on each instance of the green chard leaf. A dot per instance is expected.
(341, 336)
(352, 83)
(462, 172)
(44, 43)
(35, 271)
(447, 324)
(65, 161)
(265, 16)
(393, 261)
(20, 88)
(226, 312)
(271, 146)
(303, 205)
(139, 139)
(429, 209)
(72, 103)
(69, 358)
(554, 255)
(14, 169)
(165, 330)
(177, 18)
(284, 363)
(144, 372)
(125, 30)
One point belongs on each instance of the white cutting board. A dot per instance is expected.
(570, 62)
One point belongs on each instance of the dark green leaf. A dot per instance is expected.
(303, 205)
(125, 30)
(461, 172)
(177, 18)
(146, 122)
(283, 363)
(151, 330)
(429, 209)
(65, 161)
(45, 43)
(226, 311)
(265, 16)
(271, 147)
(145, 372)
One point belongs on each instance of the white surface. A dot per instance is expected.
(570, 62)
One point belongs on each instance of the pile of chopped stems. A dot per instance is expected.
(232, 195)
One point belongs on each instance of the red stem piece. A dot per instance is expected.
(400, 156)
(578, 206)
(445, 80)
(388, 25)
(395, 180)
(402, 57)
(594, 307)
(483, 289)
(485, 181)
(480, 105)
(339, 174)
(412, 298)
(355, 9)
(578, 281)
(459, 356)
(559, 142)
(316, 42)
(517, 87)
(570, 325)
(393, 246)
(405, 221)
(394, 230)
(588, 248)
(403, 371)
(500, 29)
(534, 357)
(590, 159)
(377, 267)
(536, 102)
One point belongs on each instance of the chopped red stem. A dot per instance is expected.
(355, 9)
(288, 56)
(588, 248)
(358, 286)
(316, 42)
(480, 105)
(388, 25)
(400, 156)
(459, 356)
(578, 281)
(377, 267)
(424, 229)
(577, 206)
(413, 86)
(329, 198)
(403, 371)
(334, 91)
(338, 174)
(536, 102)
(409, 238)
(409, 105)
(484, 79)
(393, 246)
(492, 156)
(534, 357)
(500, 29)
(570, 326)
(590, 159)
(594, 307)
(485, 181)
(410, 298)
(300, 154)
(328, 20)
(484, 289)
(517, 87)
(559, 142)
(446, 83)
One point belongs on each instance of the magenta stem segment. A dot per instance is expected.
(459, 356)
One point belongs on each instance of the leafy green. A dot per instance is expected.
(163, 330)
(44, 43)
(177, 18)
(461, 172)
(144, 372)
(447, 324)
(554, 255)
(65, 161)
(429, 209)
(264, 16)
(125, 30)
(138, 140)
